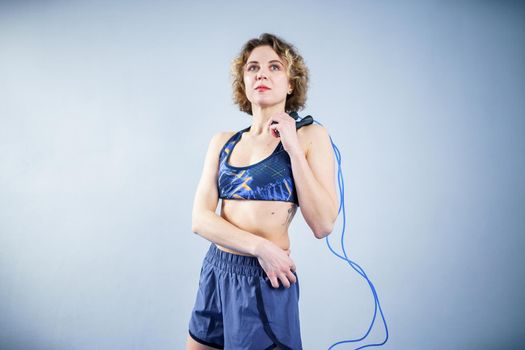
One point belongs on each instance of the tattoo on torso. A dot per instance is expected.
(291, 213)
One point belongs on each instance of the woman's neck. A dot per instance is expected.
(260, 118)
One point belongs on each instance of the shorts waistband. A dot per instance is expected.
(235, 263)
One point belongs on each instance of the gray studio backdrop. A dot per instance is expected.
(106, 111)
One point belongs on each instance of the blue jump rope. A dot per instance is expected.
(306, 121)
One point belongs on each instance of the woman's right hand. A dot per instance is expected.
(277, 264)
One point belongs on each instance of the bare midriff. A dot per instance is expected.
(267, 219)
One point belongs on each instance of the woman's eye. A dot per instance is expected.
(275, 67)
(251, 68)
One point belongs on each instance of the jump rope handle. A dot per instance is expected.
(304, 121)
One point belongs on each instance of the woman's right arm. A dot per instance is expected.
(207, 224)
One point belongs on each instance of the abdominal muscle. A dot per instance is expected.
(267, 219)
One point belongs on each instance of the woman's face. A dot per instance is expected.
(265, 77)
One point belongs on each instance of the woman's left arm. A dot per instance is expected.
(314, 177)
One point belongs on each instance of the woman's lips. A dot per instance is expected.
(262, 88)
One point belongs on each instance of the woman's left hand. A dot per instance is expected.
(284, 128)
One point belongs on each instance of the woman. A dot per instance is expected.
(248, 290)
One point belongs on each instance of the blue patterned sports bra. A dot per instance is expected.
(270, 179)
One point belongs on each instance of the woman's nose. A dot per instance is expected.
(261, 74)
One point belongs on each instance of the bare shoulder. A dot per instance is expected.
(312, 130)
(219, 139)
(225, 135)
(312, 134)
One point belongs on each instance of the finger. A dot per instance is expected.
(271, 121)
(274, 281)
(293, 268)
(291, 277)
(284, 281)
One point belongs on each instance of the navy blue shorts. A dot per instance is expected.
(237, 308)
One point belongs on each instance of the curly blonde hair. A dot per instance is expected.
(296, 70)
